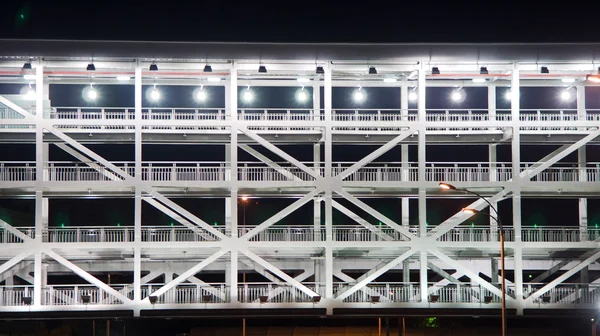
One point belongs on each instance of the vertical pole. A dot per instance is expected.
(403, 327)
(379, 326)
(93, 327)
(583, 215)
(232, 104)
(137, 218)
(422, 190)
(328, 148)
(404, 153)
(39, 197)
(492, 102)
(317, 199)
(108, 321)
(516, 163)
(492, 172)
(387, 326)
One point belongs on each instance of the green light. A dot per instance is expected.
(118, 224)
(171, 224)
(215, 224)
(22, 16)
(379, 223)
(472, 224)
(530, 276)
(596, 225)
(62, 224)
(534, 225)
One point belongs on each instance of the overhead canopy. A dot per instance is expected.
(401, 52)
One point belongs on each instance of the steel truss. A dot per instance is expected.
(234, 249)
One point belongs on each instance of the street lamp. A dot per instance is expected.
(448, 186)
(244, 202)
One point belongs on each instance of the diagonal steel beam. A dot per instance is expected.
(279, 290)
(208, 288)
(369, 291)
(527, 174)
(563, 277)
(279, 273)
(269, 163)
(472, 275)
(196, 229)
(87, 276)
(14, 231)
(374, 275)
(14, 260)
(281, 214)
(108, 174)
(188, 215)
(187, 274)
(120, 172)
(376, 214)
(252, 135)
(374, 155)
(361, 221)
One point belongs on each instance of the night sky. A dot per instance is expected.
(302, 21)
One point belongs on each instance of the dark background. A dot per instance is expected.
(302, 21)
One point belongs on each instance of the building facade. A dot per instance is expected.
(328, 131)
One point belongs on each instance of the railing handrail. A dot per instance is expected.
(303, 227)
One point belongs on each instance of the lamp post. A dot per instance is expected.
(244, 202)
(448, 186)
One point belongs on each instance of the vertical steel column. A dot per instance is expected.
(422, 190)
(492, 159)
(583, 211)
(317, 155)
(404, 153)
(137, 235)
(492, 102)
(39, 175)
(581, 162)
(232, 106)
(516, 163)
(329, 188)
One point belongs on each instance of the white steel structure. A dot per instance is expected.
(321, 252)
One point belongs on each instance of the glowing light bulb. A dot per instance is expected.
(155, 94)
(456, 95)
(302, 96)
(30, 95)
(413, 96)
(248, 96)
(359, 96)
(201, 95)
(92, 94)
(565, 95)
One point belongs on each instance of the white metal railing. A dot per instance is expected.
(257, 171)
(264, 293)
(300, 233)
(578, 293)
(387, 292)
(300, 114)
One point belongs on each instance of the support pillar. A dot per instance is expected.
(328, 148)
(405, 215)
(137, 217)
(494, 273)
(493, 178)
(422, 191)
(583, 211)
(317, 200)
(232, 107)
(40, 233)
(492, 103)
(516, 200)
(406, 271)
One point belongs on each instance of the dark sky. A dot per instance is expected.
(301, 21)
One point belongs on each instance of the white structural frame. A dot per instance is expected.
(236, 248)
